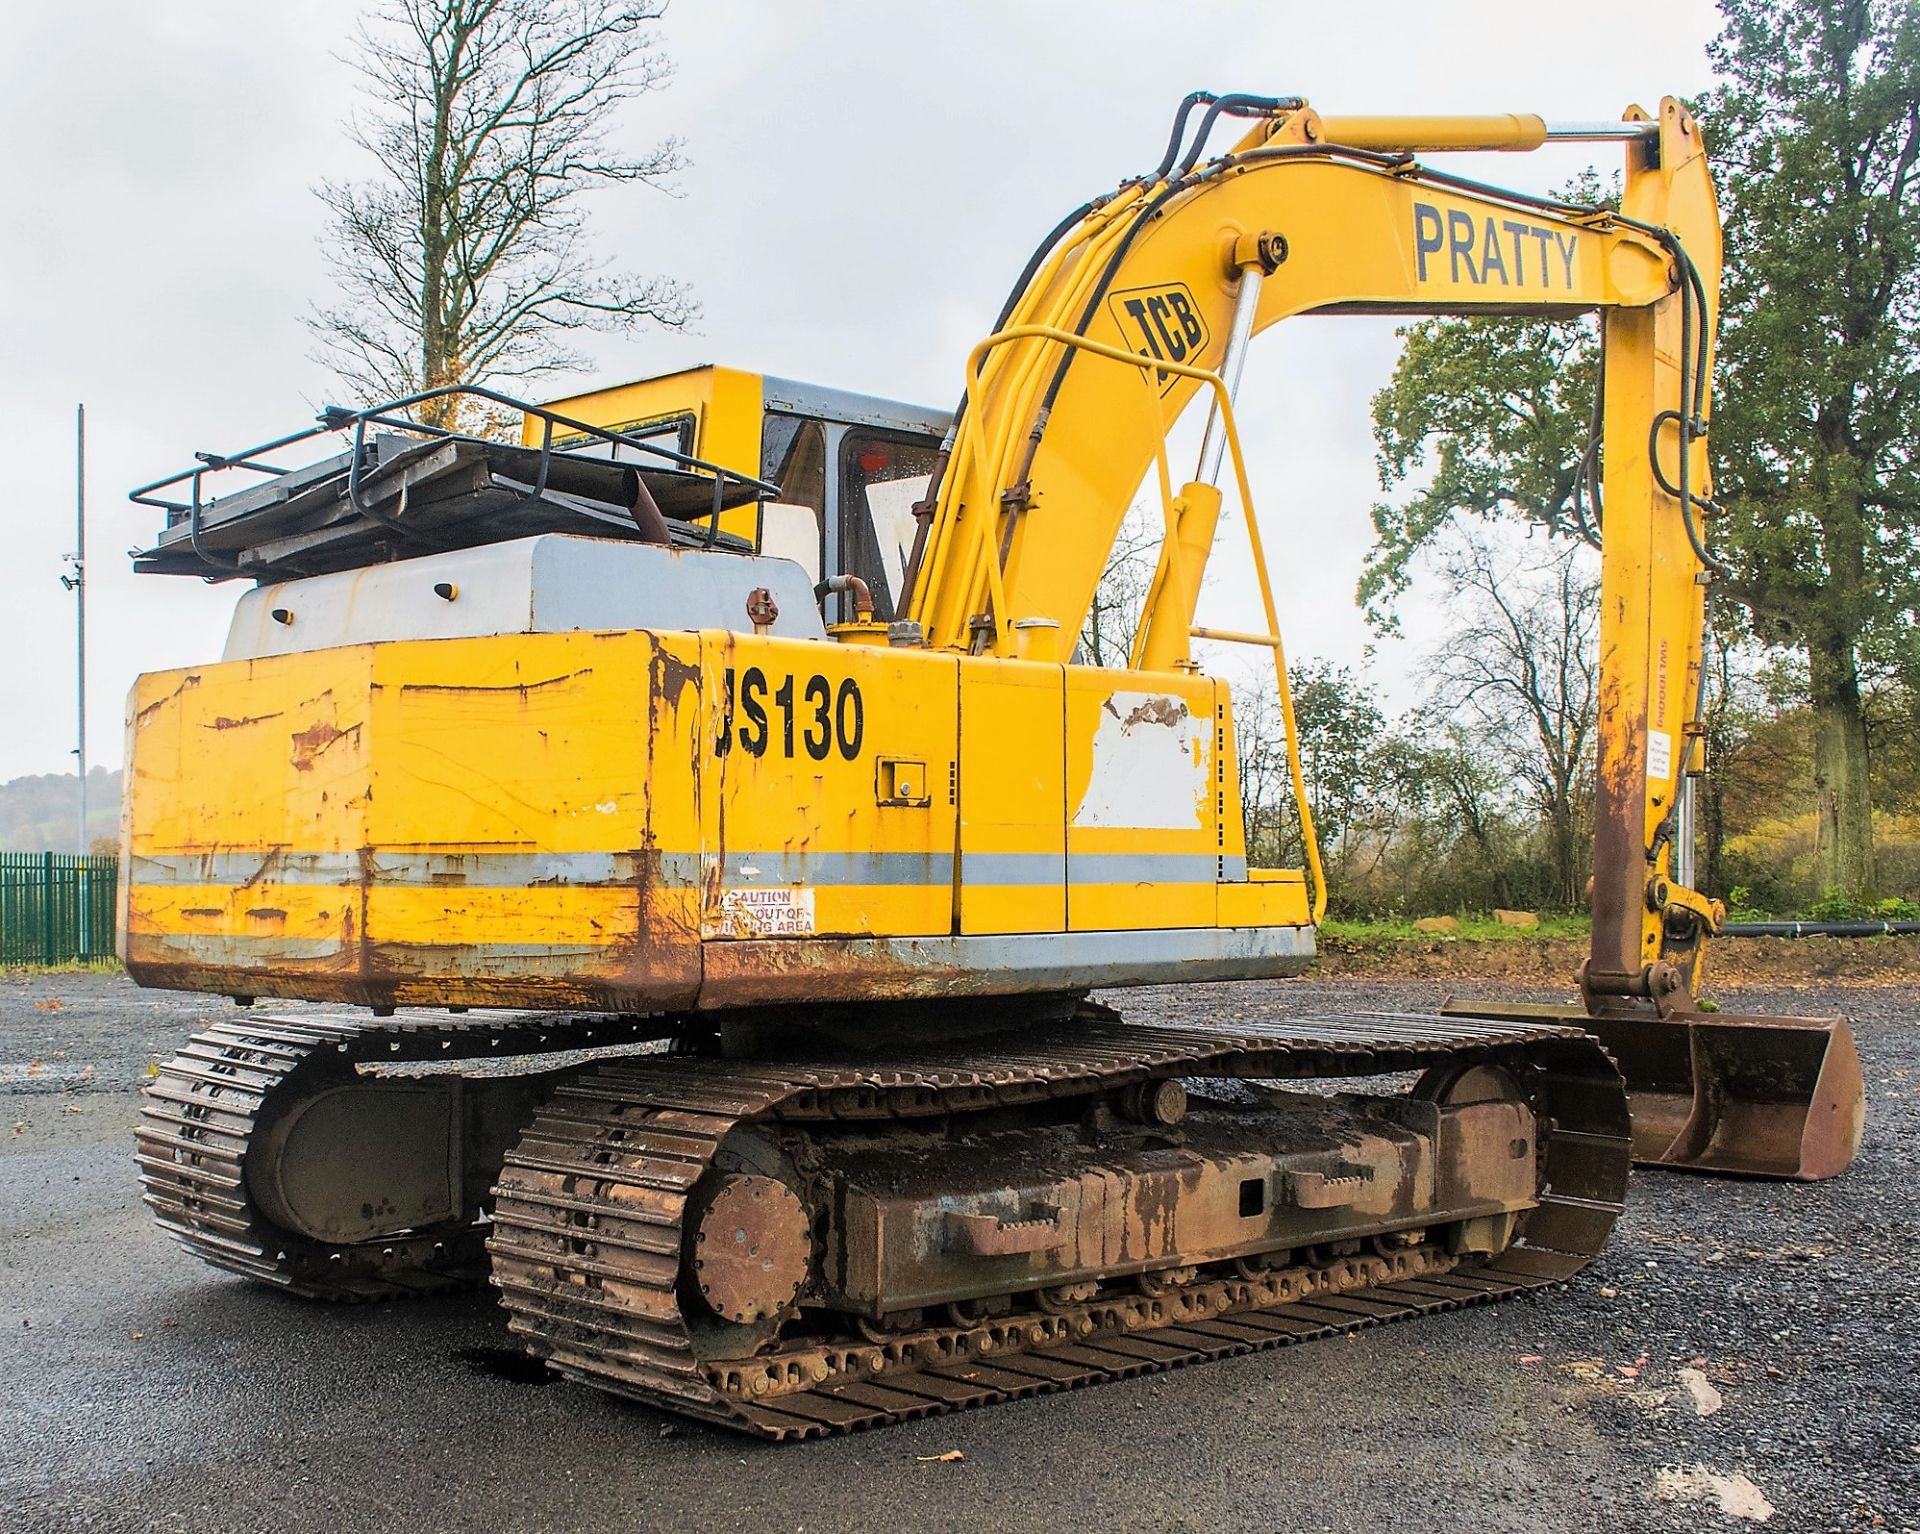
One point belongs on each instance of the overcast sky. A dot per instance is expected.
(865, 180)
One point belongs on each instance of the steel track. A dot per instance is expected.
(587, 1240)
(201, 1109)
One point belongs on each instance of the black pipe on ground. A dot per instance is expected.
(1820, 929)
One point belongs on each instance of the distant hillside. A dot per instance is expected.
(37, 813)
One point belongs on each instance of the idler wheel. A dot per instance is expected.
(752, 1247)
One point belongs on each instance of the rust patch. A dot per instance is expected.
(224, 722)
(524, 689)
(190, 680)
(668, 680)
(316, 738)
(672, 676)
(797, 971)
(1160, 709)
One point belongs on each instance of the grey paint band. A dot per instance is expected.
(533, 870)
(745, 972)
(742, 972)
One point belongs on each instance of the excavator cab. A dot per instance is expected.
(849, 466)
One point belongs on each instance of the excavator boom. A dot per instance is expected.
(1311, 215)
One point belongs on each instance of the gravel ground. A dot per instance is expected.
(143, 1391)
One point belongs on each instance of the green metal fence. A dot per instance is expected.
(54, 909)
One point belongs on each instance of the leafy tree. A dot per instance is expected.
(1497, 410)
(37, 813)
(466, 259)
(1471, 861)
(1815, 129)
(1734, 720)
(1816, 126)
(1341, 728)
(1350, 760)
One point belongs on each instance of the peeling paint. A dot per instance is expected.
(1149, 765)
(192, 679)
(224, 722)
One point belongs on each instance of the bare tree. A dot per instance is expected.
(1113, 621)
(1266, 784)
(1518, 674)
(466, 259)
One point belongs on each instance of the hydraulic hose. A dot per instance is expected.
(1193, 99)
(1234, 106)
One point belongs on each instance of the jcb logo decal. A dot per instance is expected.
(1163, 323)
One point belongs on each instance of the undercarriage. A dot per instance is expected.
(800, 1244)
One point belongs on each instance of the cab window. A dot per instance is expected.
(882, 475)
(793, 455)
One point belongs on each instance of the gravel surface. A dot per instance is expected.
(144, 1391)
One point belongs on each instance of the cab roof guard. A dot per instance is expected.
(395, 415)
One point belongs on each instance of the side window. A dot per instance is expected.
(882, 475)
(674, 432)
(793, 455)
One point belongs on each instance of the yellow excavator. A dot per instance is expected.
(708, 842)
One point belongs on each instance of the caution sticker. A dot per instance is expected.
(776, 911)
(1659, 755)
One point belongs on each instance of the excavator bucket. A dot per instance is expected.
(1723, 1092)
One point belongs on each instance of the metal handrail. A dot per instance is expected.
(337, 418)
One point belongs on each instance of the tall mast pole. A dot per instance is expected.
(80, 606)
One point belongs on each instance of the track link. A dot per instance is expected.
(200, 1112)
(587, 1244)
